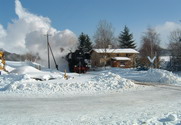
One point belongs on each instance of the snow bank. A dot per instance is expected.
(24, 78)
(113, 81)
(25, 70)
(151, 75)
(162, 76)
(7, 80)
(27, 79)
(98, 84)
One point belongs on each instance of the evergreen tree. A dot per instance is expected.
(126, 39)
(85, 43)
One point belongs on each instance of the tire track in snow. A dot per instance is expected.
(160, 85)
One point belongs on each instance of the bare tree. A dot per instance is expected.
(104, 38)
(175, 36)
(150, 47)
(104, 35)
(175, 48)
(32, 57)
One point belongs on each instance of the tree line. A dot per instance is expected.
(104, 36)
(150, 44)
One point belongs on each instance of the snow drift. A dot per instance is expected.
(157, 76)
(24, 78)
(162, 76)
(28, 85)
(25, 69)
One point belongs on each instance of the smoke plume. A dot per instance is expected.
(27, 35)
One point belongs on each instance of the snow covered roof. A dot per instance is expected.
(115, 51)
(165, 58)
(121, 58)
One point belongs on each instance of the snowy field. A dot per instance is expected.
(32, 96)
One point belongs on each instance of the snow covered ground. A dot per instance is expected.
(32, 96)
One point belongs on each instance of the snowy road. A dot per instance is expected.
(149, 105)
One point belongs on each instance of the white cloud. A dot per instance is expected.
(26, 34)
(164, 31)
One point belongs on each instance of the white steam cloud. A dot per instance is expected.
(27, 34)
(165, 29)
(2, 35)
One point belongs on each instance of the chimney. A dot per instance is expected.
(109, 46)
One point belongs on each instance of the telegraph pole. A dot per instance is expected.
(48, 48)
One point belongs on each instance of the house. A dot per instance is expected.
(124, 58)
(165, 59)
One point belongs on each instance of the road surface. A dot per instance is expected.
(145, 105)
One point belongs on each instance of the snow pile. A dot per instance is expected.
(172, 117)
(2, 72)
(24, 78)
(162, 76)
(113, 81)
(151, 75)
(6, 81)
(27, 83)
(59, 85)
(25, 70)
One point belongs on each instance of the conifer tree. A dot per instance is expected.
(84, 42)
(125, 39)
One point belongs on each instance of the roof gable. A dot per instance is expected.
(115, 51)
(121, 58)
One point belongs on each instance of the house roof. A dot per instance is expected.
(121, 58)
(165, 58)
(115, 51)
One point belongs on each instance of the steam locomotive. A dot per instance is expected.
(78, 61)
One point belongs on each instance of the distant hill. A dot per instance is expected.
(16, 57)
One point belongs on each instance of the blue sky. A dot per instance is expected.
(84, 15)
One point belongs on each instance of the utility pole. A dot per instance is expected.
(56, 66)
(47, 35)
